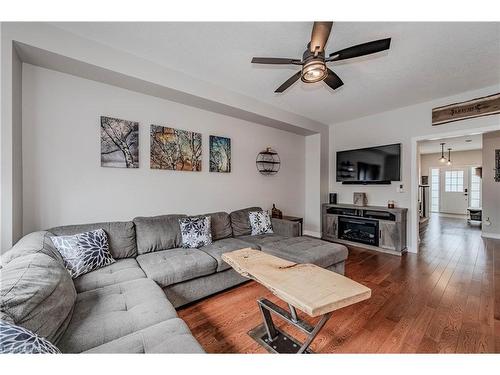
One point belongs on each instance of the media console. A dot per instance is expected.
(372, 227)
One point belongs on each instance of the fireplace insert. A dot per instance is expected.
(359, 230)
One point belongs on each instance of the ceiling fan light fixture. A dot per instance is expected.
(314, 71)
(314, 58)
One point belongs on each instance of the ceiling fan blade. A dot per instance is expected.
(360, 50)
(290, 81)
(319, 36)
(333, 80)
(275, 60)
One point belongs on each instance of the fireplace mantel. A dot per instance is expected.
(390, 224)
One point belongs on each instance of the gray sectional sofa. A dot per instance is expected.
(129, 306)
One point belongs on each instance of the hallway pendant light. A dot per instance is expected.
(443, 159)
(449, 157)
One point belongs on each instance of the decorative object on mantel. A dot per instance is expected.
(333, 198)
(268, 162)
(497, 165)
(175, 149)
(391, 204)
(119, 143)
(220, 154)
(276, 213)
(485, 106)
(359, 199)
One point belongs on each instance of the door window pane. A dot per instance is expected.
(454, 181)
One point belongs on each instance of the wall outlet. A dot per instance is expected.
(487, 222)
(400, 188)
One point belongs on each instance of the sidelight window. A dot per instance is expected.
(475, 189)
(435, 190)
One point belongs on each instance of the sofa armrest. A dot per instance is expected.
(285, 227)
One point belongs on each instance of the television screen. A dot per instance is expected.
(373, 164)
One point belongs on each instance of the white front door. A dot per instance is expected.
(454, 190)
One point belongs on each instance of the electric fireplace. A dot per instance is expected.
(359, 230)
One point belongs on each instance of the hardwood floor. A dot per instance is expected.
(446, 299)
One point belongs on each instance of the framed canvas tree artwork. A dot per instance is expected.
(220, 154)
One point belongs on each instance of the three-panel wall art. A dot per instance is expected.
(172, 149)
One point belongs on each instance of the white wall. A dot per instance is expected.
(406, 126)
(64, 183)
(10, 145)
(312, 224)
(491, 188)
(44, 45)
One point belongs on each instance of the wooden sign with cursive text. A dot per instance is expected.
(488, 105)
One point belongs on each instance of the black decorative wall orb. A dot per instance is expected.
(268, 162)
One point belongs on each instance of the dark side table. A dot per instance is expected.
(298, 220)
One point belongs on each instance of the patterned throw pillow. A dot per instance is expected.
(84, 252)
(260, 222)
(19, 340)
(195, 231)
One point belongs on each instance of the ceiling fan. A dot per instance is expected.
(313, 61)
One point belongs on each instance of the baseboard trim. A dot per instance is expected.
(312, 233)
(490, 235)
(454, 216)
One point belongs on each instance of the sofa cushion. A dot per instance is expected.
(120, 271)
(171, 336)
(261, 239)
(37, 293)
(121, 236)
(221, 225)
(106, 314)
(157, 233)
(18, 340)
(307, 250)
(172, 266)
(33, 243)
(84, 252)
(216, 249)
(240, 222)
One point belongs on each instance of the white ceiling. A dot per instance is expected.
(426, 60)
(455, 143)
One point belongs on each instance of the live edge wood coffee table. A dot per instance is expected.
(312, 289)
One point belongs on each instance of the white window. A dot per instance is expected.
(475, 189)
(435, 190)
(454, 181)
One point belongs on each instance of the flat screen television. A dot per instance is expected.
(372, 165)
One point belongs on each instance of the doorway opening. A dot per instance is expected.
(450, 185)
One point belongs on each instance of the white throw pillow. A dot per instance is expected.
(196, 231)
(84, 252)
(260, 222)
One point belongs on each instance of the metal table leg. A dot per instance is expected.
(277, 341)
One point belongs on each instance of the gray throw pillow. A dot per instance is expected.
(84, 252)
(196, 231)
(19, 340)
(260, 222)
